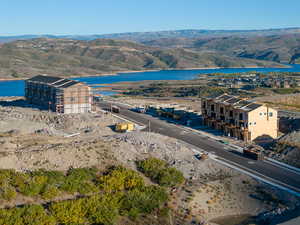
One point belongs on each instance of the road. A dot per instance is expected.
(262, 169)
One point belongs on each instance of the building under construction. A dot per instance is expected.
(59, 94)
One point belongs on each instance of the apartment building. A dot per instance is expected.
(238, 117)
(59, 94)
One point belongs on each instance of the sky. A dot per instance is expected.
(85, 17)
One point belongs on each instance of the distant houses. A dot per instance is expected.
(252, 81)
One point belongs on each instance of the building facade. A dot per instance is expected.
(239, 118)
(59, 94)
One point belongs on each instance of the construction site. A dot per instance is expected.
(33, 139)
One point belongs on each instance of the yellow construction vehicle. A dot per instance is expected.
(124, 127)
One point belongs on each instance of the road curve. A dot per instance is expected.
(265, 170)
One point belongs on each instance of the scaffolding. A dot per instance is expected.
(58, 94)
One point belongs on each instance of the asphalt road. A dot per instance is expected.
(263, 169)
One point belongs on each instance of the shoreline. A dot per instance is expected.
(141, 71)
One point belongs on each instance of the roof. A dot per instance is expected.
(234, 100)
(224, 98)
(214, 96)
(54, 81)
(251, 107)
(68, 84)
(45, 79)
(63, 81)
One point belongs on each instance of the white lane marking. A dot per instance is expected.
(282, 165)
(259, 176)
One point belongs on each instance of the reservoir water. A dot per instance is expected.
(16, 87)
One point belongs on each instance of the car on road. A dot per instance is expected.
(224, 142)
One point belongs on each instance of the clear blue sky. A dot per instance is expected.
(114, 16)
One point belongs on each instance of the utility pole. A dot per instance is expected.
(149, 125)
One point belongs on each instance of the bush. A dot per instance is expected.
(80, 180)
(49, 192)
(31, 215)
(151, 167)
(7, 193)
(69, 212)
(120, 179)
(143, 201)
(170, 177)
(124, 191)
(103, 209)
(159, 172)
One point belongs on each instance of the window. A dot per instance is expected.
(221, 110)
(261, 114)
(254, 123)
(265, 114)
(250, 123)
(270, 114)
(72, 99)
(241, 116)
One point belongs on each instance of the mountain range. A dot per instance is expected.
(146, 36)
(26, 56)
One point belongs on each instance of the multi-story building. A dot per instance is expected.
(238, 117)
(59, 94)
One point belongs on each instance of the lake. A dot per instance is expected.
(16, 88)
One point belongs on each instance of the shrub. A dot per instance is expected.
(103, 209)
(49, 192)
(69, 212)
(143, 201)
(82, 173)
(170, 177)
(159, 172)
(80, 180)
(119, 179)
(31, 215)
(124, 192)
(33, 186)
(151, 167)
(7, 193)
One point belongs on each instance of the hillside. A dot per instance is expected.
(67, 57)
(284, 48)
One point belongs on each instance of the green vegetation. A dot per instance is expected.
(284, 91)
(181, 89)
(160, 172)
(31, 215)
(46, 184)
(104, 196)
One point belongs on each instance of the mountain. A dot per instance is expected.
(67, 57)
(283, 48)
(147, 36)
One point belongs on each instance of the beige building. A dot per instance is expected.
(239, 118)
(59, 94)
